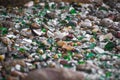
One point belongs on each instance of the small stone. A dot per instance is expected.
(106, 22)
(64, 62)
(2, 57)
(118, 34)
(98, 50)
(26, 32)
(60, 35)
(61, 43)
(78, 56)
(72, 23)
(118, 48)
(35, 26)
(108, 36)
(56, 56)
(3, 49)
(92, 40)
(86, 23)
(36, 1)
(70, 36)
(29, 4)
(40, 51)
(6, 40)
(95, 30)
(7, 24)
(67, 47)
(51, 15)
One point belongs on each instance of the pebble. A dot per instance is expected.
(86, 23)
(108, 36)
(106, 22)
(61, 43)
(3, 49)
(60, 35)
(118, 34)
(26, 32)
(2, 57)
(78, 56)
(29, 4)
(35, 26)
(6, 40)
(68, 47)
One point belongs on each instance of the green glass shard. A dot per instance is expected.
(92, 45)
(73, 11)
(3, 30)
(90, 55)
(109, 46)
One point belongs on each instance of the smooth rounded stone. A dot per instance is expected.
(6, 40)
(42, 4)
(61, 43)
(86, 23)
(2, 57)
(34, 26)
(84, 67)
(3, 48)
(106, 22)
(29, 4)
(68, 47)
(117, 7)
(105, 58)
(52, 64)
(64, 62)
(70, 36)
(118, 34)
(61, 5)
(117, 63)
(118, 47)
(108, 36)
(77, 56)
(51, 15)
(100, 14)
(43, 64)
(54, 74)
(7, 24)
(72, 23)
(117, 17)
(60, 35)
(26, 32)
(40, 51)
